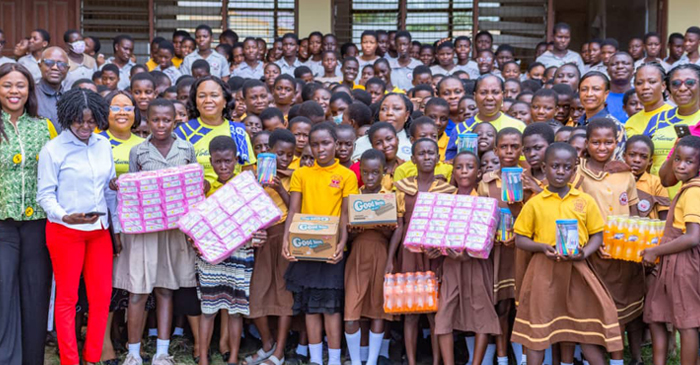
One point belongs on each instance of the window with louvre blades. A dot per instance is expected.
(259, 18)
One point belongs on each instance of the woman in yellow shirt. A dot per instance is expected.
(649, 85)
(122, 114)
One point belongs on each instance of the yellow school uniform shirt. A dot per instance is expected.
(442, 145)
(214, 186)
(294, 165)
(354, 86)
(408, 169)
(503, 121)
(537, 219)
(639, 122)
(651, 184)
(286, 181)
(613, 193)
(687, 209)
(177, 61)
(323, 188)
(151, 64)
(121, 149)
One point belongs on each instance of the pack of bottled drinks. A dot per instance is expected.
(410, 293)
(625, 237)
(458, 222)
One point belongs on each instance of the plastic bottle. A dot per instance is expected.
(410, 292)
(618, 238)
(431, 290)
(645, 228)
(420, 291)
(399, 293)
(389, 300)
(633, 234)
(609, 233)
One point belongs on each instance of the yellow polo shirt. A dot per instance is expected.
(323, 188)
(442, 145)
(639, 122)
(121, 149)
(687, 210)
(408, 168)
(538, 217)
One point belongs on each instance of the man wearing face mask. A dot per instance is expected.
(38, 41)
(54, 68)
(81, 66)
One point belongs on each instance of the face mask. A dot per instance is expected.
(78, 47)
(338, 119)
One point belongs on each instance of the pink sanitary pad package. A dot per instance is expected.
(459, 222)
(226, 220)
(152, 201)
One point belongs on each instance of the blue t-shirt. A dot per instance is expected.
(616, 108)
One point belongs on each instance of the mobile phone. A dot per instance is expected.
(92, 214)
(682, 130)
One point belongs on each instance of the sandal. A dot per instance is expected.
(274, 360)
(262, 356)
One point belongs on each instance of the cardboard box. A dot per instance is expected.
(371, 210)
(313, 237)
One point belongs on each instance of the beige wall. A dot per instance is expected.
(681, 15)
(315, 15)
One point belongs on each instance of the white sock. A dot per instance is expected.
(577, 353)
(316, 352)
(523, 359)
(548, 356)
(364, 353)
(162, 347)
(517, 351)
(303, 350)
(152, 332)
(178, 331)
(489, 354)
(353, 341)
(617, 362)
(334, 356)
(376, 342)
(385, 347)
(502, 360)
(470, 346)
(564, 363)
(135, 350)
(585, 362)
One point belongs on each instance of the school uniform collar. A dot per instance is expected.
(335, 165)
(572, 192)
(646, 177)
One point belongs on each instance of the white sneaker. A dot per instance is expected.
(163, 360)
(132, 360)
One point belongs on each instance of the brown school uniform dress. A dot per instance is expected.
(614, 190)
(364, 274)
(268, 289)
(503, 256)
(406, 196)
(563, 301)
(653, 197)
(522, 257)
(465, 300)
(674, 292)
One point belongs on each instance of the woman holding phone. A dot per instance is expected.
(76, 205)
(684, 85)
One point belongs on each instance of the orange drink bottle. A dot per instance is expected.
(644, 229)
(632, 239)
(431, 289)
(609, 233)
(399, 291)
(420, 291)
(410, 292)
(618, 238)
(389, 284)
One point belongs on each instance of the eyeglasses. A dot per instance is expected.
(116, 109)
(485, 59)
(51, 63)
(676, 84)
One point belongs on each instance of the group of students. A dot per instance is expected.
(380, 121)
